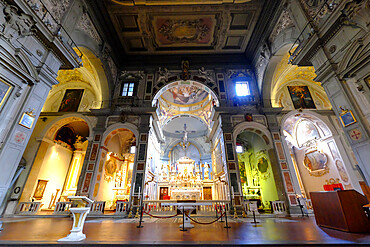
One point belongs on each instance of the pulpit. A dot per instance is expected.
(341, 210)
(80, 208)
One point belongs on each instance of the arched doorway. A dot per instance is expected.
(58, 162)
(113, 178)
(315, 153)
(254, 148)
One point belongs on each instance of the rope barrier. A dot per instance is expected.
(204, 223)
(159, 217)
(219, 208)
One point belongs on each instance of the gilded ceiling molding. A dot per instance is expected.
(175, 2)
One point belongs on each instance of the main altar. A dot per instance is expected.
(185, 179)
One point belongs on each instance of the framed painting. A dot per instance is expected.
(40, 189)
(5, 90)
(301, 97)
(27, 120)
(71, 100)
(347, 118)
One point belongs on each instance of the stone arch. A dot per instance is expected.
(52, 128)
(108, 132)
(286, 37)
(91, 77)
(270, 71)
(310, 113)
(265, 133)
(97, 63)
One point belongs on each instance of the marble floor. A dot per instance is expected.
(297, 231)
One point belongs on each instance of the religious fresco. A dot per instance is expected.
(306, 131)
(71, 100)
(315, 161)
(184, 95)
(301, 97)
(184, 30)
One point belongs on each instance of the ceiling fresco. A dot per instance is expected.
(185, 102)
(184, 95)
(184, 28)
(184, 31)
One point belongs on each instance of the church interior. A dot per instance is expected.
(244, 108)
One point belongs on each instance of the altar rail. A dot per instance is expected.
(157, 206)
(121, 208)
(97, 208)
(247, 207)
(28, 208)
(279, 207)
(62, 207)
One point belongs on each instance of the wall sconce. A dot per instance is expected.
(44, 119)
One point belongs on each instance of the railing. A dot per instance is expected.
(121, 208)
(248, 208)
(97, 208)
(62, 207)
(307, 31)
(308, 206)
(156, 206)
(28, 208)
(54, 27)
(279, 207)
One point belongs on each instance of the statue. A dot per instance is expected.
(206, 171)
(162, 75)
(205, 75)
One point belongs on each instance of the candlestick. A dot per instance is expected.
(133, 186)
(139, 190)
(232, 191)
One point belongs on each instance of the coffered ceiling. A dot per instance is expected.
(183, 27)
(206, 32)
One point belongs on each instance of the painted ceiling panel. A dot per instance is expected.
(203, 27)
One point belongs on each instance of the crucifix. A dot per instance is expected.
(185, 144)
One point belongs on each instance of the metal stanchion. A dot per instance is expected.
(141, 210)
(183, 220)
(221, 214)
(226, 226)
(254, 218)
(300, 205)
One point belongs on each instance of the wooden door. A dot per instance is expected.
(163, 191)
(207, 193)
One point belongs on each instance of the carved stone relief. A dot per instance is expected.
(21, 23)
(88, 27)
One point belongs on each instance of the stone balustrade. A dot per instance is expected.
(28, 208)
(279, 208)
(97, 208)
(62, 208)
(121, 208)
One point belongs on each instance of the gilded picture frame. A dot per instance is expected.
(5, 89)
(347, 118)
(27, 120)
(40, 189)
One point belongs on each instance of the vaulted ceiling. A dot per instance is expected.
(226, 29)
